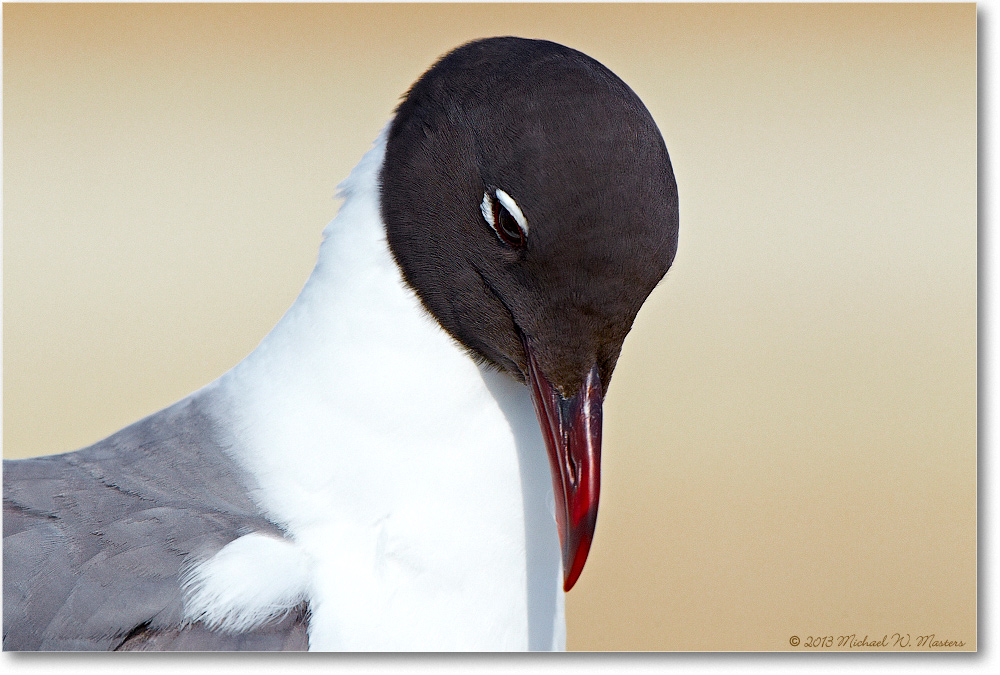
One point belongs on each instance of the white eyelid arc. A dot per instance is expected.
(487, 208)
(512, 208)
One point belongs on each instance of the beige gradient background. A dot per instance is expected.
(790, 440)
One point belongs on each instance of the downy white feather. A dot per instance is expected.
(250, 581)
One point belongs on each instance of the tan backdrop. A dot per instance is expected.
(790, 442)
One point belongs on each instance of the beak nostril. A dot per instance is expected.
(571, 472)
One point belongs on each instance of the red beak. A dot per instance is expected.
(571, 428)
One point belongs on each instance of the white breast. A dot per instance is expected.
(414, 482)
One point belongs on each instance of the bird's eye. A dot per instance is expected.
(504, 216)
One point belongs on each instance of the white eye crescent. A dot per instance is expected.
(503, 214)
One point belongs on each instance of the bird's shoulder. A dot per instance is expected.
(97, 542)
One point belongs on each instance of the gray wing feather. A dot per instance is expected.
(287, 633)
(96, 541)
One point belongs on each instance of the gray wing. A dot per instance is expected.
(95, 541)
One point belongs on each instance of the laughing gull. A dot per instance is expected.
(410, 459)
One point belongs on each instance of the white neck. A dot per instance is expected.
(414, 481)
